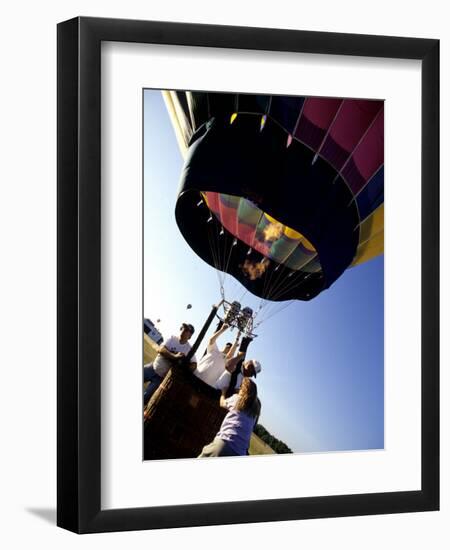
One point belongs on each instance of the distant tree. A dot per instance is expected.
(274, 443)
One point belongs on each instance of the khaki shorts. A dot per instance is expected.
(218, 447)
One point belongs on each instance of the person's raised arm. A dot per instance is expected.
(232, 363)
(233, 348)
(216, 335)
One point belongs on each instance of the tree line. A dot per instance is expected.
(274, 443)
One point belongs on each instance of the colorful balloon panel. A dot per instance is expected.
(261, 232)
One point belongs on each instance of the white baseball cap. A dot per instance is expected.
(256, 366)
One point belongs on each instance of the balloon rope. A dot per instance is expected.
(234, 288)
(295, 282)
(256, 230)
(283, 262)
(229, 255)
(279, 285)
(262, 300)
(211, 247)
(276, 282)
(272, 308)
(222, 246)
(274, 312)
(218, 245)
(214, 251)
(298, 278)
(283, 284)
(251, 246)
(267, 314)
(266, 281)
(241, 297)
(270, 285)
(236, 217)
(224, 266)
(215, 244)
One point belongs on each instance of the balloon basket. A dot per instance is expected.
(182, 416)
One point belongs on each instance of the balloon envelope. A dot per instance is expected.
(282, 192)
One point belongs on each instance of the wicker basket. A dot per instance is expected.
(182, 416)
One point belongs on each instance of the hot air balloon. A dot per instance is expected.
(284, 193)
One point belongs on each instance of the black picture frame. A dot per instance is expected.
(79, 275)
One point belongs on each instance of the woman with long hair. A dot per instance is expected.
(233, 438)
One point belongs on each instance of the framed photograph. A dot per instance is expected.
(248, 275)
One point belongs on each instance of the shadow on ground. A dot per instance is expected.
(46, 514)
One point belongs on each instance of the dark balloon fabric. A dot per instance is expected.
(287, 191)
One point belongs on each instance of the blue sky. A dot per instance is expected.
(322, 379)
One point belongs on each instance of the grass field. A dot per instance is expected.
(257, 445)
(150, 349)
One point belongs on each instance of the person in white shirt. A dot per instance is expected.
(216, 366)
(173, 349)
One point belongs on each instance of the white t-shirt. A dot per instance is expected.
(211, 368)
(161, 365)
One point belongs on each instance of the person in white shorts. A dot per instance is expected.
(171, 350)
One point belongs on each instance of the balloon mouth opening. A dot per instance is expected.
(260, 274)
(263, 234)
(297, 218)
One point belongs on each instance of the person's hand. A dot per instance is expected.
(193, 367)
(179, 355)
(225, 326)
(245, 343)
(231, 366)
